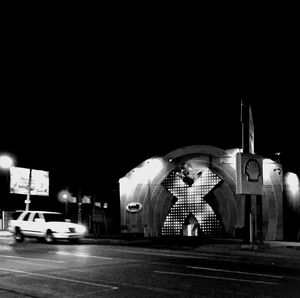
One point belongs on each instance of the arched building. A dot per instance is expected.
(191, 191)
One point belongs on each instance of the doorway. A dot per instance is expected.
(191, 227)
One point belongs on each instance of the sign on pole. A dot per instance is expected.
(249, 173)
(20, 180)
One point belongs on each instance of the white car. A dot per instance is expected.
(46, 225)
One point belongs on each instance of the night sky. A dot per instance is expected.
(88, 104)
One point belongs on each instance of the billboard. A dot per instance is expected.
(249, 174)
(19, 181)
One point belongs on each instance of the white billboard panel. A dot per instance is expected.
(19, 180)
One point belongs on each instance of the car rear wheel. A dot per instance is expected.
(19, 237)
(49, 237)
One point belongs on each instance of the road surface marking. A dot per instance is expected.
(78, 270)
(31, 259)
(187, 256)
(82, 255)
(217, 277)
(94, 293)
(60, 278)
(232, 271)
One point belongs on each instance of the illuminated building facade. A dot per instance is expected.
(192, 191)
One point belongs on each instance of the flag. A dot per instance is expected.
(72, 200)
(86, 200)
(242, 124)
(251, 132)
(247, 128)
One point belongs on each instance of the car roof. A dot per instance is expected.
(43, 211)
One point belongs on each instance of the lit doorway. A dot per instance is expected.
(191, 227)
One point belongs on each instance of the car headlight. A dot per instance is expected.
(81, 229)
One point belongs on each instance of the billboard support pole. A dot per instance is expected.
(27, 201)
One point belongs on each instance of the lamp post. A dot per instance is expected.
(5, 163)
(65, 197)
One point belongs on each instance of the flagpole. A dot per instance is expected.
(251, 131)
(248, 236)
(242, 123)
(253, 216)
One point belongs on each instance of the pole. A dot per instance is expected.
(66, 207)
(92, 223)
(27, 201)
(247, 220)
(3, 224)
(259, 218)
(251, 228)
(248, 233)
(79, 212)
(79, 199)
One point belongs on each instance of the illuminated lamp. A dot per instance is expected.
(292, 182)
(6, 162)
(64, 196)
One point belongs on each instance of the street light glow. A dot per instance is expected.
(6, 162)
(292, 182)
(292, 185)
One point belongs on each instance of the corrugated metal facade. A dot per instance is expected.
(149, 195)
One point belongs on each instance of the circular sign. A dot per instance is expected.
(134, 207)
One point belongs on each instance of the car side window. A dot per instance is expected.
(41, 217)
(26, 216)
(36, 216)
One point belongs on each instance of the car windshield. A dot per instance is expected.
(54, 217)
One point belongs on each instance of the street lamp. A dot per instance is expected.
(64, 196)
(6, 162)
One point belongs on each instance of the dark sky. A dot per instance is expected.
(92, 102)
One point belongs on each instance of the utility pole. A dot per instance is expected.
(79, 198)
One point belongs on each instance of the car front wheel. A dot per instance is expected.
(19, 237)
(49, 237)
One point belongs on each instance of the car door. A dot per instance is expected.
(35, 224)
(24, 223)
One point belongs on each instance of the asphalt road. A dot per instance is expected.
(33, 269)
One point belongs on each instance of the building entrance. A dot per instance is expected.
(191, 227)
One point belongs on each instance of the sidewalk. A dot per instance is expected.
(271, 253)
(4, 233)
(216, 245)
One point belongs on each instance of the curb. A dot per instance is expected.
(5, 234)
